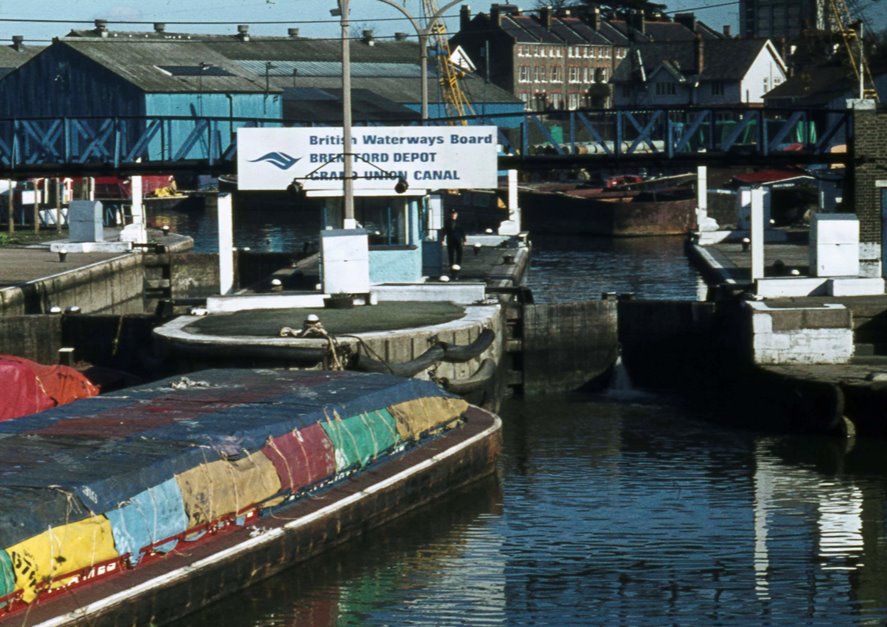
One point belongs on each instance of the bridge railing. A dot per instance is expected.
(673, 132)
(31, 145)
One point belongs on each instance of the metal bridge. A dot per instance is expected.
(68, 146)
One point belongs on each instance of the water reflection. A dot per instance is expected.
(265, 229)
(401, 565)
(628, 513)
(566, 269)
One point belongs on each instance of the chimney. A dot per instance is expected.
(292, 33)
(638, 23)
(545, 17)
(464, 16)
(101, 28)
(243, 32)
(18, 42)
(400, 36)
(699, 57)
(159, 28)
(367, 37)
(687, 20)
(727, 32)
(595, 18)
(496, 15)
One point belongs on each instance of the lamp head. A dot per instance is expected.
(296, 188)
(401, 186)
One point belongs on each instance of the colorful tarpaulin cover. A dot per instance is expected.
(156, 514)
(29, 387)
(119, 473)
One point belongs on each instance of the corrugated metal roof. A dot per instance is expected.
(299, 49)
(405, 91)
(138, 61)
(325, 105)
(330, 68)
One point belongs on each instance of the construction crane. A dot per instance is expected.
(852, 39)
(449, 75)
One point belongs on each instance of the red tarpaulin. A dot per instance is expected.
(29, 387)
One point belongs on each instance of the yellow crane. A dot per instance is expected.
(843, 23)
(449, 75)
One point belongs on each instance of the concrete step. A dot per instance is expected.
(870, 360)
(157, 284)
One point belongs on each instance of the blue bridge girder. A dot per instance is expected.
(129, 145)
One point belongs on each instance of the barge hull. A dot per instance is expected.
(186, 581)
(559, 213)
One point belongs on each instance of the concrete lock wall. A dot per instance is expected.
(33, 337)
(813, 335)
(670, 344)
(112, 286)
(194, 275)
(567, 345)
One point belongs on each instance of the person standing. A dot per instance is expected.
(455, 238)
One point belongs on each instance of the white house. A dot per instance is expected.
(705, 72)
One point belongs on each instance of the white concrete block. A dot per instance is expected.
(856, 286)
(782, 287)
(226, 304)
(835, 259)
(458, 292)
(762, 323)
(834, 228)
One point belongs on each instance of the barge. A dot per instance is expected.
(637, 210)
(143, 505)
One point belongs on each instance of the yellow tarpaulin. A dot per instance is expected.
(419, 416)
(60, 551)
(222, 487)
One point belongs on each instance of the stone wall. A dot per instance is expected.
(113, 286)
(34, 337)
(869, 165)
(567, 345)
(812, 335)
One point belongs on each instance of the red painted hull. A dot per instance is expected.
(578, 211)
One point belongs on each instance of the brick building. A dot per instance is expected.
(561, 61)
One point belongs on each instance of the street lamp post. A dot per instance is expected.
(423, 34)
(348, 164)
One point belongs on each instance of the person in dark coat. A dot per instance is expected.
(454, 236)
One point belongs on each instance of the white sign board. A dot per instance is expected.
(439, 157)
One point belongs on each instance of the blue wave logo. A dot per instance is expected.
(278, 159)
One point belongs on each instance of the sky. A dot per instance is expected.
(41, 20)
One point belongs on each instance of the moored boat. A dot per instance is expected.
(145, 504)
(636, 210)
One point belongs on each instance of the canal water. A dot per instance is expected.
(618, 508)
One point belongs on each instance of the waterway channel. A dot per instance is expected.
(618, 508)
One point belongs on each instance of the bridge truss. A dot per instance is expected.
(127, 145)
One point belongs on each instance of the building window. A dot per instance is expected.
(385, 218)
(557, 74)
(603, 76)
(535, 73)
(574, 75)
(542, 74)
(572, 101)
(717, 88)
(524, 74)
(665, 89)
(556, 101)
